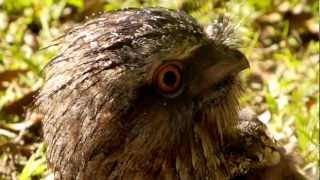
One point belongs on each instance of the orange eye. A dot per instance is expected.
(168, 78)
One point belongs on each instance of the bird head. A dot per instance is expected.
(138, 87)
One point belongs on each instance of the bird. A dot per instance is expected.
(148, 93)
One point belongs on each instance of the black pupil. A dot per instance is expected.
(170, 78)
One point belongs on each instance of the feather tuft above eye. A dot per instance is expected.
(224, 31)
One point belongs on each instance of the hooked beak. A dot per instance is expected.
(231, 66)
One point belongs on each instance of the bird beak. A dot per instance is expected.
(216, 73)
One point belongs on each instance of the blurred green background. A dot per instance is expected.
(280, 39)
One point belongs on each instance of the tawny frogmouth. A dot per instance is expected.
(149, 94)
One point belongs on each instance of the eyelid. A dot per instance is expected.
(173, 62)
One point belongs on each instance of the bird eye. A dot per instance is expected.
(168, 79)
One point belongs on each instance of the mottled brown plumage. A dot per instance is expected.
(105, 116)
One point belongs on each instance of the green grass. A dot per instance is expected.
(282, 85)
